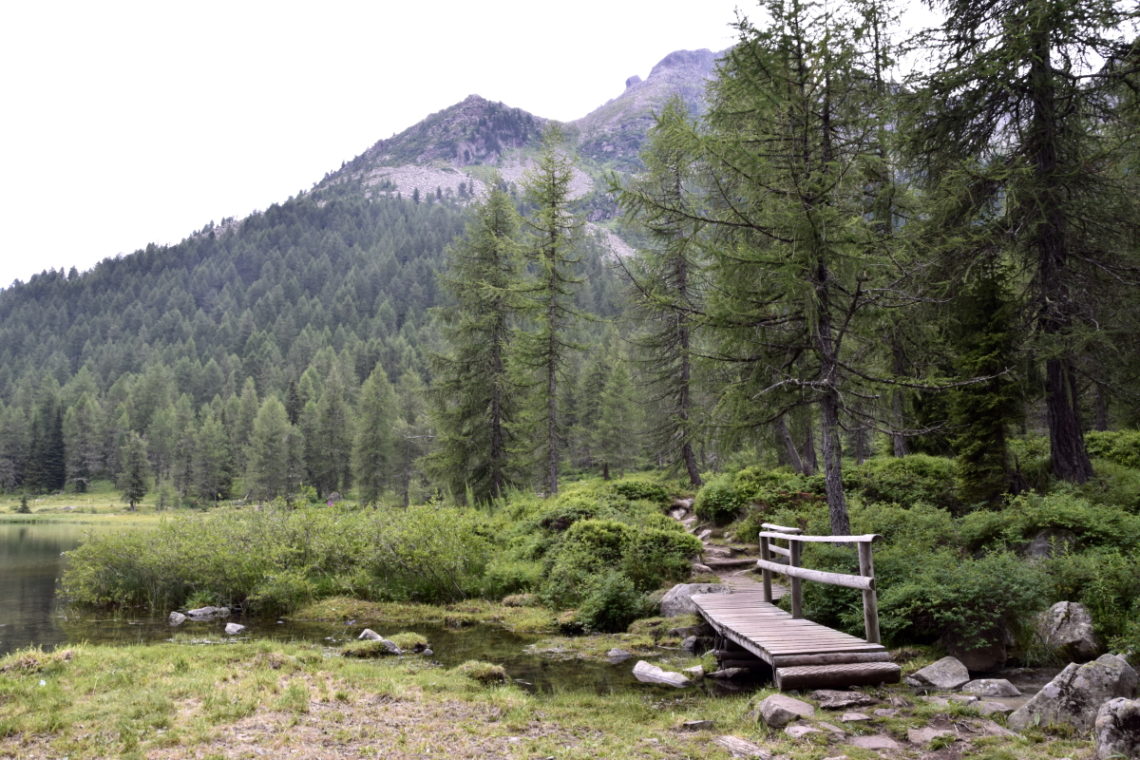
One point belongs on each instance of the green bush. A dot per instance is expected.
(610, 603)
(972, 600)
(642, 490)
(653, 556)
(907, 481)
(1104, 580)
(1119, 446)
(719, 500)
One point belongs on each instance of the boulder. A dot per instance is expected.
(1076, 694)
(988, 708)
(946, 674)
(698, 725)
(177, 618)
(647, 673)
(208, 613)
(690, 644)
(926, 734)
(233, 629)
(779, 710)
(742, 748)
(1116, 730)
(369, 635)
(678, 600)
(991, 687)
(1067, 628)
(799, 732)
(834, 699)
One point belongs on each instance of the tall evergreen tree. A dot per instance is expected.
(474, 391)
(1015, 102)
(272, 470)
(552, 250)
(374, 445)
(134, 470)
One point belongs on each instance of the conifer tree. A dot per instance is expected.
(374, 445)
(474, 391)
(272, 471)
(134, 470)
(1017, 103)
(551, 248)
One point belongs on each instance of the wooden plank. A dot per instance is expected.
(819, 576)
(863, 539)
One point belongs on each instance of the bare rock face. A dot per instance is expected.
(1076, 694)
(1116, 730)
(647, 673)
(946, 674)
(779, 710)
(678, 601)
(1067, 627)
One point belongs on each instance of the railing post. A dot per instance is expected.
(870, 601)
(795, 549)
(765, 573)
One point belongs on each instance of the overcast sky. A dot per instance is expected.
(125, 123)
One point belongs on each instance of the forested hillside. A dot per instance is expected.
(832, 264)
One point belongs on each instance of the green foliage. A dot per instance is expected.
(1119, 446)
(972, 600)
(656, 555)
(610, 603)
(1028, 514)
(636, 489)
(485, 673)
(907, 480)
(719, 500)
(1104, 580)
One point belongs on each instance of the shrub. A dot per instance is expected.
(719, 500)
(907, 480)
(654, 556)
(1119, 446)
(611, 603)
(1104, 580)
(642, 490)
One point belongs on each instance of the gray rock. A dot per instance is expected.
(690, 643)
(876, 742)
(208, 613)
(991, 687)
(926, 734)
(369, 635)
(233, 629)
(834, 730)
(947, 673)
(616, 655)
(647, 673)
(743, 748)
(726, 674)
(834, 699)
(705, 534)
(1116, 730)
(678, 600)
(177, 618)
(858, 717)
(1076, 694)
(699, 568)
(779, 710)
(799, 732)
(698, 725)
(988, 708)
(678, 513)
(1067, 628)
(696, 672)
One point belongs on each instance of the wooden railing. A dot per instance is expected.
(791, 567)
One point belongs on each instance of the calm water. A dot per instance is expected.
(31, 614)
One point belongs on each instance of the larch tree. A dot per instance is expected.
(1019, 100)
(552, 249)
(475, 391)
(664, 279)
(374, 446)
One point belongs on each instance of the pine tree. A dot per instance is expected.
(211, 467)
(374, 445)
(272, 469)
(474, 392)
(552, 250)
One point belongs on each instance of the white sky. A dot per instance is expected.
(125, 123)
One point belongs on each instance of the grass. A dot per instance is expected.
(402, 614)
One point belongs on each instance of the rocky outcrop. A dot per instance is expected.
(779, 710)
(678, 601)
(1116, 730)
(1067, 628)
(945, 674)
(1076, 694)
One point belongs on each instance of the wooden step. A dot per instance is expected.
(848, 674)
(714, 563)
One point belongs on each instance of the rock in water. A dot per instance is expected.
(647, 673)
(233, 629)
(1067, 628)
(1116, 731)
(947, 673)
(208, 613)
(1076, 694)
(369, 635)
(176, 618)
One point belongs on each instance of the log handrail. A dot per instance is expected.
(864, 581)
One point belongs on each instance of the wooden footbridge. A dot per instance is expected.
(753, 632)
